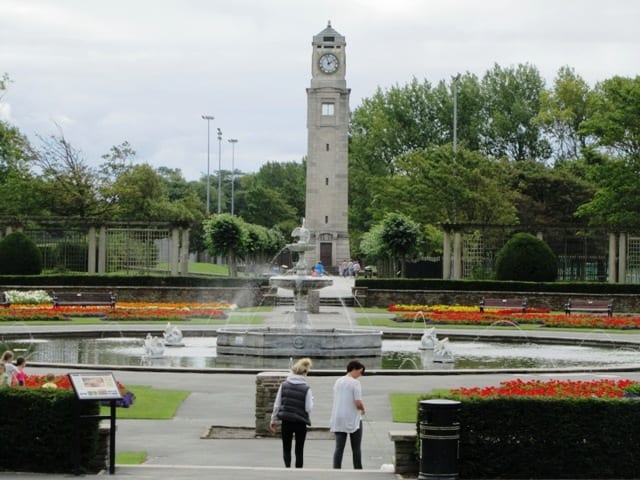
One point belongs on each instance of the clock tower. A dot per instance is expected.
(327, 189)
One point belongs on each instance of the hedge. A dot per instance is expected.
(548, 438)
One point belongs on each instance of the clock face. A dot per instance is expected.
(329, 63)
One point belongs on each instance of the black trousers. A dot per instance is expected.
(289, 429)
(356, 441)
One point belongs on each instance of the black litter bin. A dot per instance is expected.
(439, 439)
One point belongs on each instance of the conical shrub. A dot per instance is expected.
(19, 255)
(526, 258)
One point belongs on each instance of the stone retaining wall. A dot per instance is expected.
(368, 297)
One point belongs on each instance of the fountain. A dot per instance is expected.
(172, 336)
(301, 338)
(429, 339)
(442, 353)
(153, 347)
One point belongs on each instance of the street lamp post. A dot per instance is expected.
(233, 142)
(208, 118)
(455, 114)
(219, 171)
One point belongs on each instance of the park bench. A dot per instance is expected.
(83, 299)
(590, 306)
(4, 300)
(504, 304)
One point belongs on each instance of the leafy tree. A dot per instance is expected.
(261, 243)
(616, 201)
(547, 195)
(267, 207)
(225, 235)
(562, 110)
(71, 186)
(399, 236)
(511, 101)
(615, 115)
(526, 258)
(383, 127)
(468, 111)
(472, 189)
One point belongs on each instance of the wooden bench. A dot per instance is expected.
(83, 299)
(587, 305)
(4, 300)
(504, 304)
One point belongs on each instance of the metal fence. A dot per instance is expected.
(128, 250)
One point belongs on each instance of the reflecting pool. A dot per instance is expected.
(200, 352)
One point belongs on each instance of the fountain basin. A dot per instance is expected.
(287, 342)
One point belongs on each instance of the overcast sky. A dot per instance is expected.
(146, 71)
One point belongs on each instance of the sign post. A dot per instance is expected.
(98, 386)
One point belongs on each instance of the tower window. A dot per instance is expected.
(327, 147)
(328, 39)
(326, 219)
(326, 181)
(328, 109)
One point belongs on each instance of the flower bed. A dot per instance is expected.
(603, 388)
(122, 312)
(468, 315)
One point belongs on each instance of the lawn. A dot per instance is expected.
(404, 407)
(151, 404)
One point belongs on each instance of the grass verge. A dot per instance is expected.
(130, 458)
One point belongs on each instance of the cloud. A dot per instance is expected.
(146, 71)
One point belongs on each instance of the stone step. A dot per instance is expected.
(324, 301)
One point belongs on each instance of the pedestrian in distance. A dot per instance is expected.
(292, 406)
(4, 376)
(20, 376)
(346, 414)
(10, 368)
(50, 383)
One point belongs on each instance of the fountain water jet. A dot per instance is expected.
(301, 339)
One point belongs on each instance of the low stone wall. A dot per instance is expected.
(243, 297)
(368, 297)
(267, 384)
(405, 459)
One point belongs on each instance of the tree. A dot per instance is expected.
(432, 189)
(399, 236)
(273, 197)
(562, 110)
(547, 195)
(262, 244)
(71, 186)
(615, 115)
(225, 235)
(616, 202)
(511, 101)
(468, 110)
(391, 123)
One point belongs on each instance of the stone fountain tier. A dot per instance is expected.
(300, 283)
(287, 342)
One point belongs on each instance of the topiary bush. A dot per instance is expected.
(526, 258)
(19, 255)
